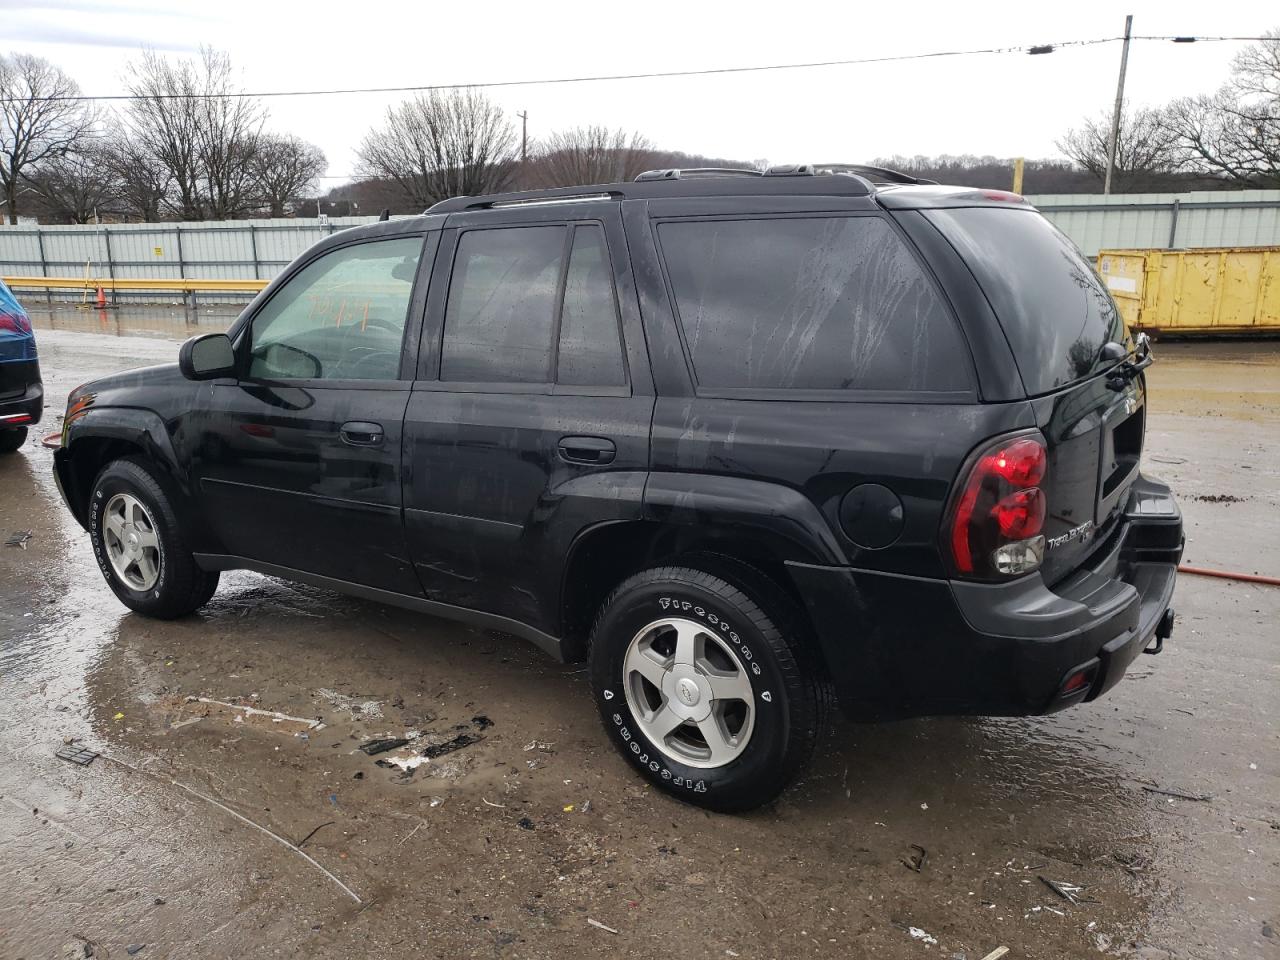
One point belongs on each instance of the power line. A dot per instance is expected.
(653, 75)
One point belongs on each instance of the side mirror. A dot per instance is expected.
(207, 357)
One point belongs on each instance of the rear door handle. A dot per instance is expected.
(587, 450)
(361, 433)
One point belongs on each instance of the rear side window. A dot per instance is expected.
(527, 302)
(501, 311)
(1055, 312)
(812, 303)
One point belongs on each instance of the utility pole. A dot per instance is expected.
(524, 136)
(1115, 117)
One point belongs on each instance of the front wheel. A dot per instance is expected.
(140, 545)
(706, 685)
(12, 438)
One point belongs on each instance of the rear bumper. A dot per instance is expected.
(908, 646)
(23, 410)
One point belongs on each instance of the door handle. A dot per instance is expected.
(587, 450)
(361, 433)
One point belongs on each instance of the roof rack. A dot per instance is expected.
(807, 179)
(874, 174)
(688, 173)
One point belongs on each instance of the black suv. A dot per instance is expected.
(741, 441)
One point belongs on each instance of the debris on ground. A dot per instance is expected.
(82, 756)
(489, 803)
(179, 724)
(996, 954)
(1180, 794)
(923, 936)
(917, 859)
(1133, 864)
(1069, 892)
(481, 721)
(600, 926)
(135, 948)
(242, 711)
(543, 745)
(359, 709)
(407, 763)
(524, 823)
(299, 844)
(1218, 498)
(382, 745)
(19, 539)
(457, 743)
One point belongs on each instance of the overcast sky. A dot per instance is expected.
(1006, 105)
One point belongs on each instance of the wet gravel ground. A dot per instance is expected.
(511, 845)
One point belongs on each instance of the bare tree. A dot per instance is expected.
(284, 166)
(442, 145)
(1144, 149)
(592, 154)
(77, 187)
(1235, 133)
(142, 182)
(37, 122)
(192, 120)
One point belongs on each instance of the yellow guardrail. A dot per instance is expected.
(1212, 290)
(91, 284)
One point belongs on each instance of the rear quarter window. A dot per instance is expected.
(1054, 310)
(810, 303)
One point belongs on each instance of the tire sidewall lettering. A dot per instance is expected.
(634, 745)
(96, 538)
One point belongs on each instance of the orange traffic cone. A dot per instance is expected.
(102, 299)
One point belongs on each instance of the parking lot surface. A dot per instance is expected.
(187, 835)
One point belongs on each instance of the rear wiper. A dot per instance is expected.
(1122, 374)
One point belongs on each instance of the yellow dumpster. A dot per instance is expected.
(1212, 290)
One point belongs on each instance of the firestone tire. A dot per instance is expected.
(748, 621)
(177, 586)
(12, 438)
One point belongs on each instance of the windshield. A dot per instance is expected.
(1055, 311)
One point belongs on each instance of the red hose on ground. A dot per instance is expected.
(1227, 575)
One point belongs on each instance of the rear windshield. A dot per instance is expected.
(1055, 311)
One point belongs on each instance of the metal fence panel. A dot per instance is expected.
(260, 249)
(1202, 218)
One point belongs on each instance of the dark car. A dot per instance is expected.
(740, 441)
(21, 392)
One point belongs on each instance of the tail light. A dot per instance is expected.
(15, 323)
(994, 526)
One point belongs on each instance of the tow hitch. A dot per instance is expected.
(1164, 630)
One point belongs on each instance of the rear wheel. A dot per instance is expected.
(706, 685)
(12, 438)
(140, 545)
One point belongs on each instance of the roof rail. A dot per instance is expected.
(874, 174)
(456, 204)
(687, 173)
(802, 180)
